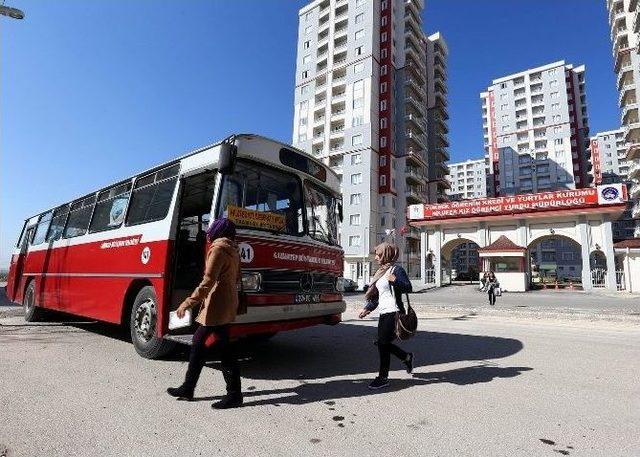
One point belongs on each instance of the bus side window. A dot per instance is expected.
(42, 228)
(57, 223)
(110, 208)
(79, 217)
(151, 202)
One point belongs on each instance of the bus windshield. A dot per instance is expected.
(256, 196)
(322, 212)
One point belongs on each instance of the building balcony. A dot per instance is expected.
(414, 175)
(625, 76)
(442, 168)
(338, 114)
(442, 154)
(416, 122)
(415, 139)
(620, 40)
(629, 110)
(633, 151)
(318, 138)
(616, 11)
(410, 37)
(416, 105)
(443, 141)
(442, 123)
(441, 98)
(413, 157)
(413, 22)
(416, 72)
(442, 183)
(317, 121)
(636, 22)
(413, 84)
(415, 194)
(337, 132)
(620, 55)
(413, 58)
(632, 130)
(634, 171)
(627, 93)
(412, 7)
(338, 97)
(440, 86)
(634, 190)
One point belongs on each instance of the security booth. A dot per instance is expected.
(507, 260)
(514, 236)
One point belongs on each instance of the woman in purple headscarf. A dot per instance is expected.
(217, 297)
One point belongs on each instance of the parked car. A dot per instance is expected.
(349, 285)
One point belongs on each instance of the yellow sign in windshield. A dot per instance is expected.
(257, 219)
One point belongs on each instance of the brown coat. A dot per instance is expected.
(218, 293)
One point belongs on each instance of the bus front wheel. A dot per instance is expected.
(143, 326)
(32, 313)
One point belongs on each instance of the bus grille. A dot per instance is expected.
(297, 282)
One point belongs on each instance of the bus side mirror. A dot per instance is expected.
(227, 160)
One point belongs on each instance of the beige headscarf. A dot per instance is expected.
(388, 255)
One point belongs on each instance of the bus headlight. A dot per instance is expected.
(340, 284)
(251, 282)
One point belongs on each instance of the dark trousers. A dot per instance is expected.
(203, 339)
(492, 296)
(386, 335)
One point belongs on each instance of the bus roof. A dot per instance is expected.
(332, 180)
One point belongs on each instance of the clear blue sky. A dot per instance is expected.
(94, 91)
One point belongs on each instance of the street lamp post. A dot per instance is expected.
(13, 13)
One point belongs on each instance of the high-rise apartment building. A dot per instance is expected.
(625, 35)
(361, 106)
(468, 179)
(536, 130)
(609, 158)
(437, 116)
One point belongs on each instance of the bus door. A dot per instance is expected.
(17, 268)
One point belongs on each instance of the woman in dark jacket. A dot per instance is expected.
(217, 296)
(492, 283)
(385, 293)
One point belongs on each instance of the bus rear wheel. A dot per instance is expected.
(143, 325)
(32, 313)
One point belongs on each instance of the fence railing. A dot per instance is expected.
(430, 276)
(598, 277)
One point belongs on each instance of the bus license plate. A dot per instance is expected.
(307, 298)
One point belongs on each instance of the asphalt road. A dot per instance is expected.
(484, 385)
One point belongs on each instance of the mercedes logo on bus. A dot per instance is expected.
(306, 282)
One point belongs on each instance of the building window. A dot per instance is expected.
(383, 87)
(355, 199)
(357, 68)
(555, 106)
(383, 70)
(384, 53)
(556, 118)
(558, 141)
(354, 219)
(383, 123)
(306, 59)
(383, 161)
(304, 89)
(359, 18)
(359, 51)
(359, 3)
(305, 74)
(356, 158)
(383, 180)
(306, 44)
(555, 95)
(383, 141)
(382, 221)
(359, 34)
(557, 129)
(383, 37)
(308, 29)
(383, 105)
(383, 22)
(354, 240)
(383, 201)
(385, 5)
(356, 178)
(356, 140)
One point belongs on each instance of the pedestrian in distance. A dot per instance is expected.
(483, 281)
(385, 293)
(492, 286)
(217, 296)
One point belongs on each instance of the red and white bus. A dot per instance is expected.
(131, 252)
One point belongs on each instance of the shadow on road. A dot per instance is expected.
(308, 392)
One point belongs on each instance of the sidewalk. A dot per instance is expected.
(544, 304)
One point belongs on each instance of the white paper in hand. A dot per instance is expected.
(175, 322)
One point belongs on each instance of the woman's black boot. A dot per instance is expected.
(181, 393)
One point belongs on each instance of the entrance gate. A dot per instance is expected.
(582, 215)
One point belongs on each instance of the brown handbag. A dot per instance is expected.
(406, 321)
